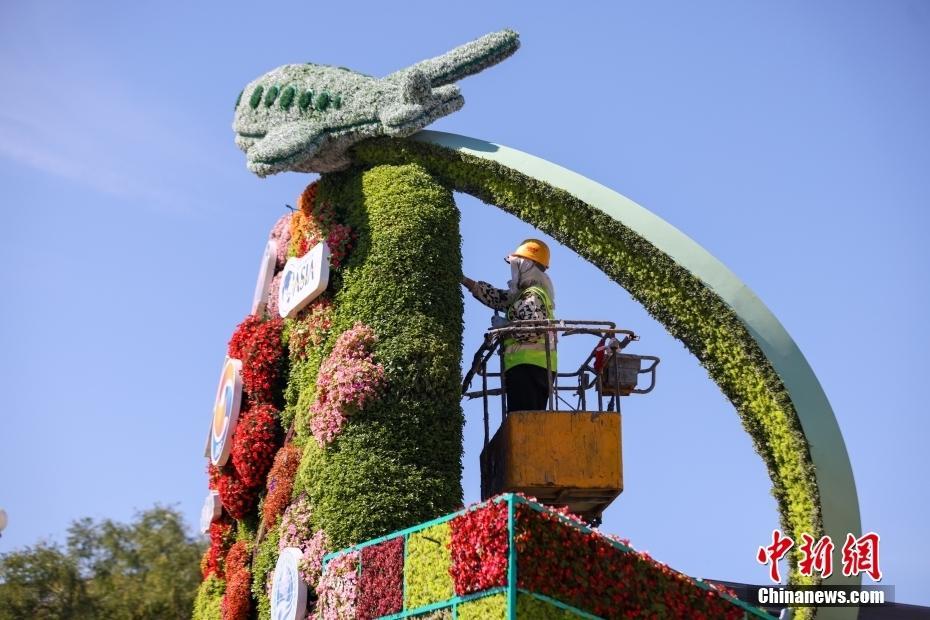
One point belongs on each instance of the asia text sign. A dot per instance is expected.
(303, 280)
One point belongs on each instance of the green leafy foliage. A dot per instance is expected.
(673, 296)
(207, 605)
(492, 607)
(146, 569)
(426, 568)
(398, 461)
(439, 614)
(262, 567)
(531, 607)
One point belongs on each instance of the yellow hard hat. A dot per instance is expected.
(534, 249)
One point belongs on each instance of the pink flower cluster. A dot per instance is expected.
(338, 588)
(348, 379)
(297, 531)
(281, 234)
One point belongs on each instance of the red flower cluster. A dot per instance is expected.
(479, 549)
(257, 344)
(221, 538)
(254, 444)
(280, 483)
(382, 581)
(236, 496)
(237, 601)
(585, 570)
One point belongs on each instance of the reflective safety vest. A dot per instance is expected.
(533, 351)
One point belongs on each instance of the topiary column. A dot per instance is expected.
(393, 457)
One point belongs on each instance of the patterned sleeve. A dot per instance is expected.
(530, 308)
(491, 297)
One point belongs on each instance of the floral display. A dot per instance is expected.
(398, 460)
(237, 601)
(323, 110)
(257, 343)
(310, 328)
(297, 531)
(562, 570)
(280, 483)
(281, 235)
(676, 298)
(271, 306)
(221, 539)
(381, 586)
(479, 549)
(237, 497)
(582, 568)
(347, 380)
(255, 443)
(337, 590)
(316, 221)
(428, 567)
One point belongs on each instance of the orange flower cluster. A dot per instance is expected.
(315, 221)
(280, 483)
(237, 601)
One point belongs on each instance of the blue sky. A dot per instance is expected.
(790, 139)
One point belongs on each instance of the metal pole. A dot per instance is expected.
(503, 386)
(484, 399)
(548, 372)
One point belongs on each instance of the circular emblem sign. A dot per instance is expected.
(226, 411)
(288, 591)
(212, 509)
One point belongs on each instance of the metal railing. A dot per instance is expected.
(616, 376)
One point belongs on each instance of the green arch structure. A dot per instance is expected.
(699, 301)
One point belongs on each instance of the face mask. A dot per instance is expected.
(516, 264)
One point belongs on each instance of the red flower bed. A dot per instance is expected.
(382, 581)
(221, 539)
(257, 344)
(280, 483)
(237, 601)
(585, 570)
(237, 497)
(254, 444)
(479, 549)
(582, 569)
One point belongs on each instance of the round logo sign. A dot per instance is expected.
(288, 590)
(212, 509)
(226, 411)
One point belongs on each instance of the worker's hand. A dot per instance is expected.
(468, 283)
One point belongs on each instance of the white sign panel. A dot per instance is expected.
(265, 275)
(211, 511)
(288, 591)
(303, 280)
(226, 411)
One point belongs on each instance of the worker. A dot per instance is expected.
(529, 296)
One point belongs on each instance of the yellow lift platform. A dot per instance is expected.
(570, 457)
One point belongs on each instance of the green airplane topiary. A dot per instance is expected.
(303, 118)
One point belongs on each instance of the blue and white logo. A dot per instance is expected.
(288, 590)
